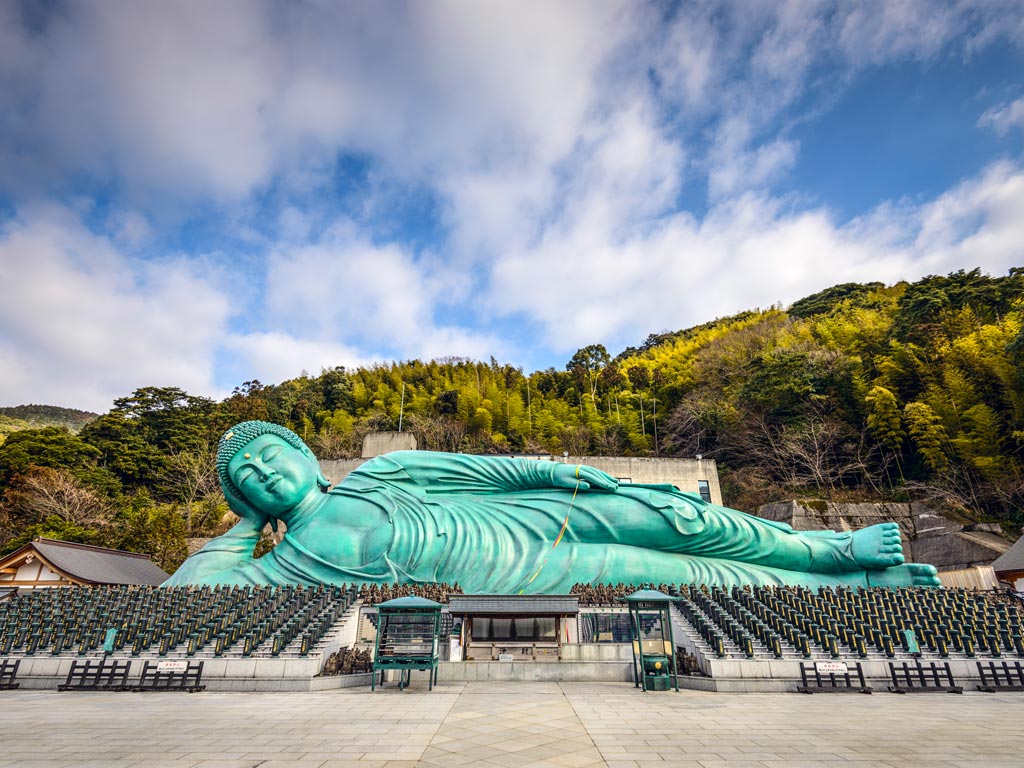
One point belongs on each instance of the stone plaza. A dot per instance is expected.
(511, 725)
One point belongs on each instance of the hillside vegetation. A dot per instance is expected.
(860, 391)
(8, 425)
(35, 416)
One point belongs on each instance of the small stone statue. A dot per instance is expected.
(507, 525)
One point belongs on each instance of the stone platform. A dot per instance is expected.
(540, 725)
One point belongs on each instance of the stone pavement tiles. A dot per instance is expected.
(539, 725)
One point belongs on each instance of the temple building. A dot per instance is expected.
(1009, 567)
(46, 563)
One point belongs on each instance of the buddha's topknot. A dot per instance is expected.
(238, 436)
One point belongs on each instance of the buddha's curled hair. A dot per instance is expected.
(239, 435)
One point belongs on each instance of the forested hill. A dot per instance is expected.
(34, 416)
(859, 391)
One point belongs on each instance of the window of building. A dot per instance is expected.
(604, 628)
(518, 629)
(704, 489)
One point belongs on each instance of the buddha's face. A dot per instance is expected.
(272, 475)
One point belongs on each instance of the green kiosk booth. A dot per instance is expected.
(654, 658)
(408, 630)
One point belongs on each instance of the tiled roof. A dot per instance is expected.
(98, 565)
(513, 604)
(1012, 559)
(417, 603)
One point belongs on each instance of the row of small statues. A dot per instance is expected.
(372, 594)
(686, 663)
(348, 661)
(609, 594)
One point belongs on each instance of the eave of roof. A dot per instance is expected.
(514, 604)
(1012, 559)
(84, 563)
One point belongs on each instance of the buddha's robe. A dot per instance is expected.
(489, 523)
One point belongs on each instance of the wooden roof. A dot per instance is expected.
(1012, 560)
(84, 564)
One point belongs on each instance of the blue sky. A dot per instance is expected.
(196, 195)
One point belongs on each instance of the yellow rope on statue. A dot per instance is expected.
(561, 533)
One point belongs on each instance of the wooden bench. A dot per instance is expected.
(8, 673)
(1000, 676)
(931, 677)
(97, 675)
(171, 676)
(832, 677)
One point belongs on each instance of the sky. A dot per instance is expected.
(201, 194)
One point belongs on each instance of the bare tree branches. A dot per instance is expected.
(43, 492)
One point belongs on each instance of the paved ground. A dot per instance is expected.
(567, 725)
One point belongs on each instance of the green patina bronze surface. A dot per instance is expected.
(489, 524)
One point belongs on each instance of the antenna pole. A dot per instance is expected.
(401, 408)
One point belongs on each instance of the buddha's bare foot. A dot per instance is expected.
(909, 575)
(877, 547)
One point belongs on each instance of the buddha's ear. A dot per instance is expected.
(322, 481)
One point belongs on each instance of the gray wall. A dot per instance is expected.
(682, 473)
(377, 443)
(928, 535)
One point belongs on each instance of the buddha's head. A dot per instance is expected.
(266, 467)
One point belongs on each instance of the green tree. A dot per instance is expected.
(885, 423)
(168, 417)
(929, 436)
(586, 366)
(884, 418)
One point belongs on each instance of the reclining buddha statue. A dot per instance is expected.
(506, 525)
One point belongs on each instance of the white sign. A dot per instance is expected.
(172, 666)
(455, 651)
(505, 657)
(830, 667)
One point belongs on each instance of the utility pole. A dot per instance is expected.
(529, 405)
(643, 424)
(654, 418)
(401, 408)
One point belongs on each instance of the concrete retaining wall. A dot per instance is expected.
(929, 536)
(594, 662)
(535, 671)
(597, 652)
(47, 672)
(682, 473)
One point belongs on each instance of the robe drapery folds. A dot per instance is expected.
(489, 524)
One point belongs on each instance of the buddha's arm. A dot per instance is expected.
(224, 552)
(461, 473)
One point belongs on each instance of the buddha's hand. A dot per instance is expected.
(253, 520)
(568, 475)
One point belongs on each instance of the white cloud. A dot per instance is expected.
(736, 169)
(218, 100)
(274, 356)
(1004, 117)
(585, 285)
(84, 323)
(979, 223)
(555, 140)
(374, 297)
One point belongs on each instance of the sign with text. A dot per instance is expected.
(830, 667)
(505, 657)
(172, 666)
